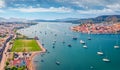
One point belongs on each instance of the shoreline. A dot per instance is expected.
(43, 50)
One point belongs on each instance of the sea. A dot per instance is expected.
(56, 36)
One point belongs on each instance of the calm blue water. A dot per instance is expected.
(75, 57)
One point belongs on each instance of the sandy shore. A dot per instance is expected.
(32, 66)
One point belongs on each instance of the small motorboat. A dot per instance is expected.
(74, 38)
(100, 53)
(55, 34)
(116, 47)
(42, 60)
(106, 60)
(53, 46)
(57, 62)
(63, 42)
(84, 46)
(42, 44)
(82, 42)
(89, 38)
(69, 45)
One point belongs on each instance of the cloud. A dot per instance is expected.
(114, 6)
(90, 4)
(2, 3)
(51, 9)
(94, 7)
(94, 12)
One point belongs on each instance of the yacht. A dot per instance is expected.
(116, 47)
(106, 60)
(100, 53)
(82, 42)
(84, 46)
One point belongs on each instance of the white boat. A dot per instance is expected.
(100, 53)
(89, 38)
(84, 46)
(82, 42)
(74, 38)
(106, 60)
(116, 47)
(57, 62)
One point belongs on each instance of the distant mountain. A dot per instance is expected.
(56, 20)
(99, 19)
(67, 19)
(18, 20)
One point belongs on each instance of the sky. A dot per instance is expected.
(58, 9)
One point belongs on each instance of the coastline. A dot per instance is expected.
(43, 50)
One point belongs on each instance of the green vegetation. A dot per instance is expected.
(15, 68)
(25, 45)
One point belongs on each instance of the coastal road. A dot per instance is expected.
(4, 57)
